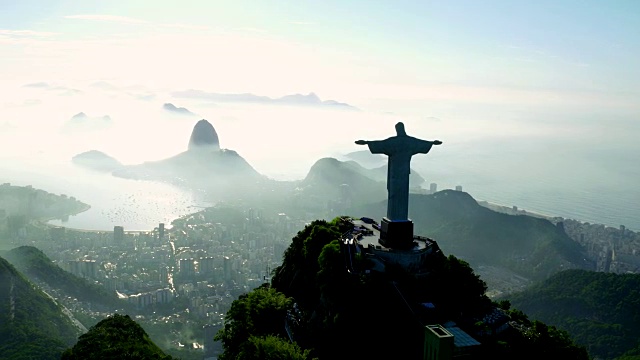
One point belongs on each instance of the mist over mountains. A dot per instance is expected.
(94, 159)
(203, 165)
(311, 99)
(202, 162)
(224, 172)
(82, 122)
(532, 247)
(526, 246)
(177, 110)
(283, 142)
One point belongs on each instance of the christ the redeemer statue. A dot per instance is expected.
(399, 149)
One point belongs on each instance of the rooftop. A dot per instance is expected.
(461, 338)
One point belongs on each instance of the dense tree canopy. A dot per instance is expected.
(297, 275)
(600, 310)
(32, 325)
(259, 313)
(271, 348)
(335, 313)
(117, 336)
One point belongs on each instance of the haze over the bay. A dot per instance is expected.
(536, 105)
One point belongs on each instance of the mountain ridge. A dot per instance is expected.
(34, 325)
(484, 237)
(311, 99)
(37, 266)
(96, 160)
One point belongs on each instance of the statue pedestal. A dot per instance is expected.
(396, 234)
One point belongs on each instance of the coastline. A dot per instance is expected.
(46, 224)
(514, 210)
(511, 210)
(45, 220)
(498, 207)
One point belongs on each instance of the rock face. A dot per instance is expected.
(204, 136)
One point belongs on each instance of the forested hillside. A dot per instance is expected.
(32, 325)
(115, 337)
(37, 266)
(600, 310)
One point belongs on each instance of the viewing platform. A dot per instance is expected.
(366, 235)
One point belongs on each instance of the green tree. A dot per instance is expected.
(297, 275)
(331, 277)
(271, 348)
(117, 336)
(261, 312)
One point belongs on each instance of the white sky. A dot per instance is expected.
(533, 52)
(456, 69)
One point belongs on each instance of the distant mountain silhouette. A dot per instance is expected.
(96, 160)
(366, 158)
(60, 90)
(332, 172)
(204, 136)
(377, 174)
(310, 99)
(32, 325)
(81, 122)
(380, 173)
(332, 180)
(176, 110)
(194, 169)
(203, 165)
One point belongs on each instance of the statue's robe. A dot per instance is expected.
(399, 149)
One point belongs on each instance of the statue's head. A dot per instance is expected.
(400, 129)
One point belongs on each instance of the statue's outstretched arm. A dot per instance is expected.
(362, 142)
(437, 142)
